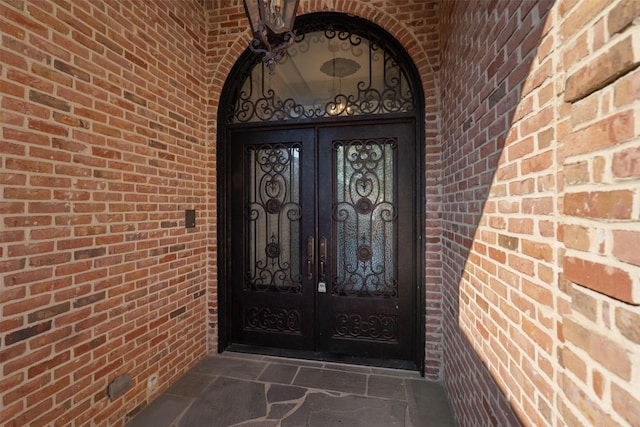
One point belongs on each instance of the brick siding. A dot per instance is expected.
(103, 148)
(532, 215)
(539, 107)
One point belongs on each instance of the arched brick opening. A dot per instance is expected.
(423, 53)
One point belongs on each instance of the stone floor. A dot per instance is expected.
(235, 389)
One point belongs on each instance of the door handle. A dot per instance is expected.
(323, 257)
(311, 244)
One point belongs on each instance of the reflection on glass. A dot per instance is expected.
(274, 17)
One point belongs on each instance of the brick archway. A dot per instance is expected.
(416, 48)
(422, 48)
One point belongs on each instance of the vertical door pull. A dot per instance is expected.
(311, 244)
(323, 257)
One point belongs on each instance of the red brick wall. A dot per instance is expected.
(541, 209)
(599, 168)
(108, 135)
(103, 146)
(108, 119)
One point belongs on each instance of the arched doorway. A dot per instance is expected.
(320, 171)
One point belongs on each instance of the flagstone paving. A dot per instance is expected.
(236, 389)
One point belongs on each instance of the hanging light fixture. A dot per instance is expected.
(272, 26)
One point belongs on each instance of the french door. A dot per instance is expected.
(322, 231)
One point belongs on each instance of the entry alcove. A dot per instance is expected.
(344, 106)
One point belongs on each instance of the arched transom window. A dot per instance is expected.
(333, 69)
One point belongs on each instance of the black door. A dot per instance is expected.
(322, 228)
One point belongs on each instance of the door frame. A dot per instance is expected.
(242, 67)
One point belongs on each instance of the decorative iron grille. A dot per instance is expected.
(378, 82)
(276, 319)
(365, 217)
(273, 217)
(378, 327)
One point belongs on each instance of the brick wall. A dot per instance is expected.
(103, 146)
(599, 168)
(541, 202)
(532, 212)
(109, 114)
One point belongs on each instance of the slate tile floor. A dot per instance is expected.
(236, 389)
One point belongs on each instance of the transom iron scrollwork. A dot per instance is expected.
(365, 215)
(273, 217)
(361, 76)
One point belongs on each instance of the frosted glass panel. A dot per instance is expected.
(273, 217)
(364, 213)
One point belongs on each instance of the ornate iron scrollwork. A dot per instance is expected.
(273, 319)
(365, 214)
(384, 87)
(273, 218)
(377, 327)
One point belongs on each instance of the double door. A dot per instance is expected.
(322, 230)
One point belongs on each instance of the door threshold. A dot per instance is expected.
(324, 357)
